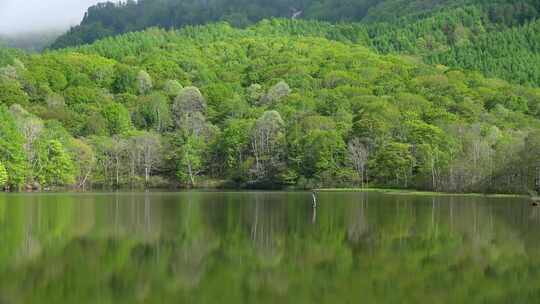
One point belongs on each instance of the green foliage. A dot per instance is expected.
(153, 113)
(323, 153)
(3, 175)
(117, 118)
(190, 160)
(57, 167)
(144, 82)
(11, 92)
(393, 164)
(172, 88)
(107, 19)
(12, 153)
(125, 79)
(276, 93)
(495, 37)
(233, 146)
(274, 104)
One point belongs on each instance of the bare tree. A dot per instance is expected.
(265, 141)
(358, 155)
(150, 146)
(296, 13)
(85, 159)
(116, 153)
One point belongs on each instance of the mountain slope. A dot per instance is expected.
(497, 38)
(265, 106)
(106, 19)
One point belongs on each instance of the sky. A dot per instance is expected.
(20, 16)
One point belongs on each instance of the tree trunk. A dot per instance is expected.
(117, 171)
(433, 181)
(191, 178)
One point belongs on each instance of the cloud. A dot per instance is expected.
(35, 15)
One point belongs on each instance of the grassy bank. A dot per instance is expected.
(417, 192)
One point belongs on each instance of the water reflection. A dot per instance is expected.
(267, 248)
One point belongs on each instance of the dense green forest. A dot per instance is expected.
(499, 38)
(108, 18)
(283, 103)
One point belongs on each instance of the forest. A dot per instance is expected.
(499, 38)
(109, 18)
(279, 104)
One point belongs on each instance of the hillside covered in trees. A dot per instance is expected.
(499, 38)
(283, 103)
(108, 18)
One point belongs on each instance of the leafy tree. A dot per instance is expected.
(276, 93)
(172, 88)
(189, 100)
(393, 164)
(117, 118)
(188, 111)
(11, 92)
(12, 153)
(323, 151)
(3, 175)
(155, 113)
(190, 160)
(255, 93)
(57, 166)
(144, 82)
(125, 78)
(233, 146)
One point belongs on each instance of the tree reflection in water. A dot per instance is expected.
(267, 247)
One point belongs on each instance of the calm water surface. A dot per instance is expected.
(260, 247)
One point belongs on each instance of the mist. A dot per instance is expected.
(26, 16)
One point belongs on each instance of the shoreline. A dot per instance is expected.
(387, 191)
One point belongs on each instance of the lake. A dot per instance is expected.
(267, 247)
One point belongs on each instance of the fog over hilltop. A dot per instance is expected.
(24, 16)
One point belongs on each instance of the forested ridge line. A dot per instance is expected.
(498, 38)
(108, 19)
(259, 107)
